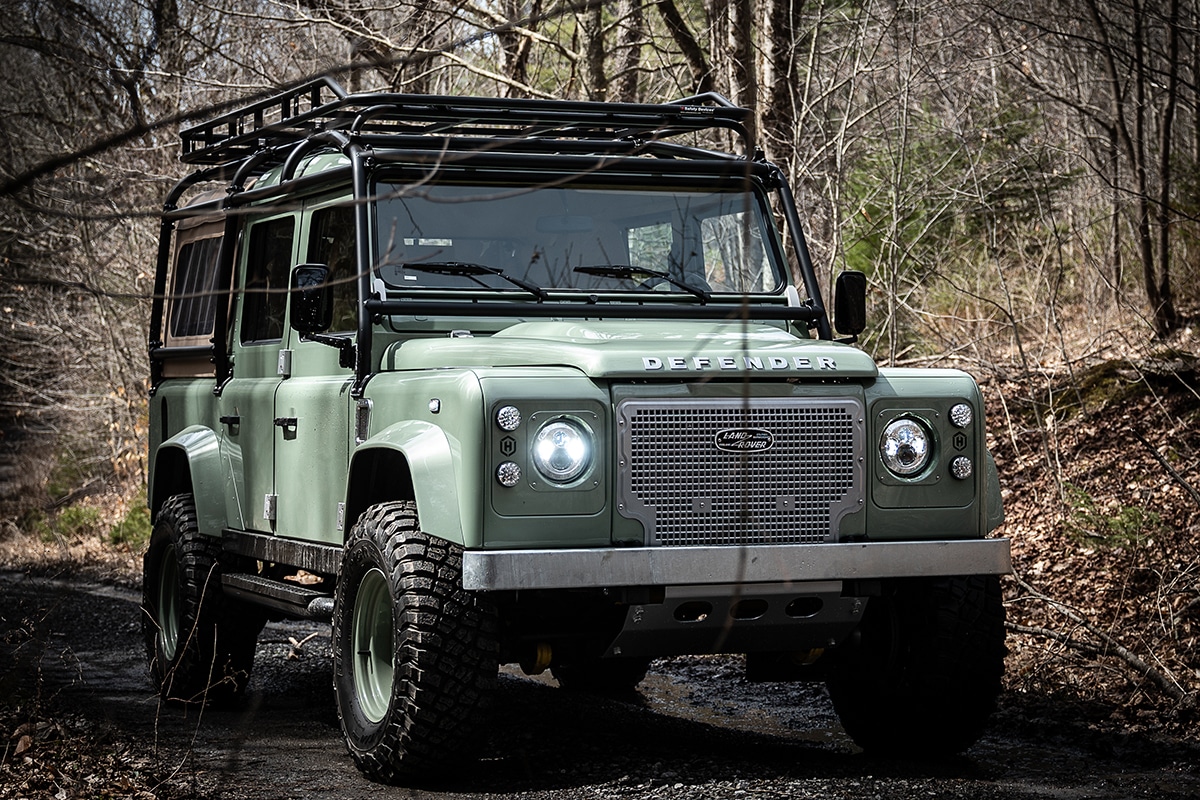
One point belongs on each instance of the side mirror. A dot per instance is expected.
(312, 299)
(850, 303)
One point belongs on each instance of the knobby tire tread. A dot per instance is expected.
(446, 650)
(215, 654)
(927, 682)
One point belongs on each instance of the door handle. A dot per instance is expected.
(286, 422)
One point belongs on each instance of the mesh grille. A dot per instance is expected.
(680, 479)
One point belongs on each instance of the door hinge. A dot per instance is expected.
(270, 507)
(285, 363)
(341, 517)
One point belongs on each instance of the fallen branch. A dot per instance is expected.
(1163, 680)
(1182, 481)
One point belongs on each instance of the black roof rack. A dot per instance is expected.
(292, 116)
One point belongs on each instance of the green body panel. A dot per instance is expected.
(932, 505)
(643, 349)
(453, 453)
(431, 462)
(311, 457)
(442, 447)
(250, 444)
(533, 513)
(202, 451)
(995, 501)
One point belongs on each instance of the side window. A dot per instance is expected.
(331, 242)
(194, 292)
(268, 265)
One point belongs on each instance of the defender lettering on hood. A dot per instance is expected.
(746, 363)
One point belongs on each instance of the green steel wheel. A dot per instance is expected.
(372, 645)
(414, 654)
(169, 611)
(199, 643)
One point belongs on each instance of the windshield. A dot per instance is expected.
(593, 238)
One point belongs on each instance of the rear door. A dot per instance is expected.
(247, 402)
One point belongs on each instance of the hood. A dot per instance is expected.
(641, 349)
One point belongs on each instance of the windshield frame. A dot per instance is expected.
(709, 186)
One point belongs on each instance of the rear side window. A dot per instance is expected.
(194, 293)
(268, 265)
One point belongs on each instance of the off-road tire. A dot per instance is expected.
(200, 644)
(400, 594)
(601, 675)
(924, 671)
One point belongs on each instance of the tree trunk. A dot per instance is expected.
(693, 54)
(632, 27)
(591, 28)
(1165, 318)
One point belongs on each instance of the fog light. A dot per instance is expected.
(961, 468)
(509, 474)
(961, 415)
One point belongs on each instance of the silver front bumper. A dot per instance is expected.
(501, 570)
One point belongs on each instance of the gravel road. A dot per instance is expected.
(696, 729)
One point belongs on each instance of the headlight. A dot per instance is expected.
(562, 450)
(905, 447)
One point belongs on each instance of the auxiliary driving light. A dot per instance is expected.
(509, 474)
(508, 418)
(960, 415)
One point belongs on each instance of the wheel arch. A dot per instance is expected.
(190, 461)
(410, 460)
(995, 502)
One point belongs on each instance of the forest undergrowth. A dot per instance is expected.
(1100, 468)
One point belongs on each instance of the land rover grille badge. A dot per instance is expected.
(744, 440)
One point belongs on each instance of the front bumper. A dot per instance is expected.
(505, 570)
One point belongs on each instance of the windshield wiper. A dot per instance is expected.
(472, 270)
(640, 273)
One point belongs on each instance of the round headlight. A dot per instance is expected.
(905, 447)
(562, 450)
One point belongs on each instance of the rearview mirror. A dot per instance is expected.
(850, 303)
(312, 299)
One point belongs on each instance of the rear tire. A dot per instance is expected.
(200, 644)
(415, 655)
(923, 676)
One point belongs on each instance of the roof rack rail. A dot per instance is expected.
(289, 115)
(294, 115)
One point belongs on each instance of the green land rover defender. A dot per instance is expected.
(545, 383)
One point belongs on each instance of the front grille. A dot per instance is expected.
(733, 471)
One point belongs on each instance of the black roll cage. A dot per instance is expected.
(378, 130)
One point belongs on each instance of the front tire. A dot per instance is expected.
(200, 644)
(926, 669)
(415, 654)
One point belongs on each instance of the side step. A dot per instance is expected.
(290, 598)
